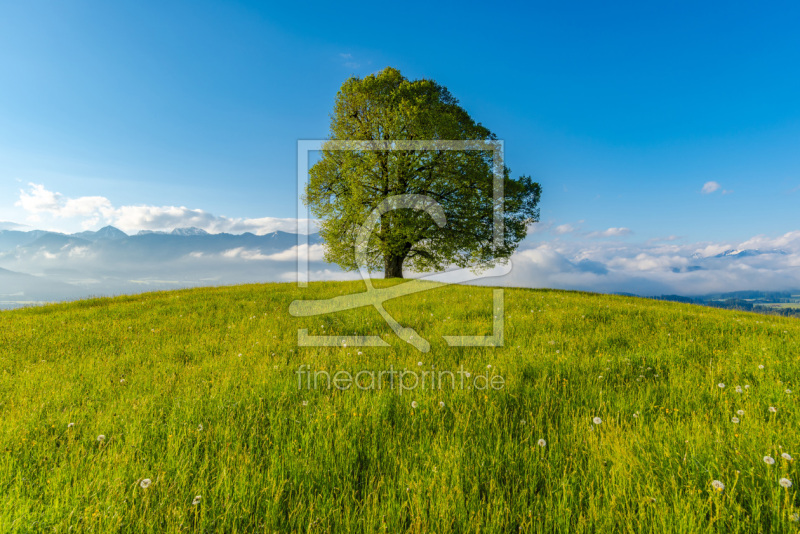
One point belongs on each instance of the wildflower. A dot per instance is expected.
(542, 443)
(788, 391)
(769, 460)
(419, 364)
(740, 412)
(717, 485)
(196, 500)
(738, 389)
(785, 483)
(787, 456)
(441, 404)
(721, 385)
(773, 409)
(747, 386)
(360, 353)
(70, 425)
(734, 419)
(414, 404)
(467, 375)
(145, 483)
(597, 420)
(760, 366)
(489, 366)
(101, 438)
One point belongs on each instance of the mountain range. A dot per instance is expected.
(40, 266)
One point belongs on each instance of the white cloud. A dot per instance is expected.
(658, 267)
(96, 210)
(611, 232)
(563, 229)
(710, 187)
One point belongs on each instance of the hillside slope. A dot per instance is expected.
(184, 411)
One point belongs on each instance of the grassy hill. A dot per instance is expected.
(197, 391)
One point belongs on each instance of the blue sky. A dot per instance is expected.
(622, 110)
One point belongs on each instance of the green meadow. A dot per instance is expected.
(183, 411)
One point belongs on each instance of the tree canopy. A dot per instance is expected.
(345, 186)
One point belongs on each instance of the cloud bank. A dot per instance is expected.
(96, 211)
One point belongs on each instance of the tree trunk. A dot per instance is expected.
(393, 267)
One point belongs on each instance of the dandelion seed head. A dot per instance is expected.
(196, 500)
(785, 483)
(721, 385)
(145, 483)
(740, 412)
(718, 485)
(787, 456)
(773, 409)
(414, 404)
(597, 420)
(769, 460)
(542, 443)
(734, 419)
(101, 437)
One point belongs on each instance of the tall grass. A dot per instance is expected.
(197, 391)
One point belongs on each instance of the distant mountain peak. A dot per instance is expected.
(106, 232)
(736, 253)
(192, 230)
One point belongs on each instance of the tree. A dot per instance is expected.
(345, 186)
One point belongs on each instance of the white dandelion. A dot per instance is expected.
(773, 409)
(542, 443)
(738, 389)
(200, 427)
(419, 364)
(739, 412)
(785, 483)
(721, 385)
(70, 425)
(597, 420)
(718, 485)
(145, 483)
(734, 419)
(101, 438)
(489, 366)
(769, 460)
(414, 404)
(787, 456)
(635, 415)
(196, 500)
(747, 386)
(760, 366)
(788, 391)
(441, 404)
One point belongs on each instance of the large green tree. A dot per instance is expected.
(345, 186)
